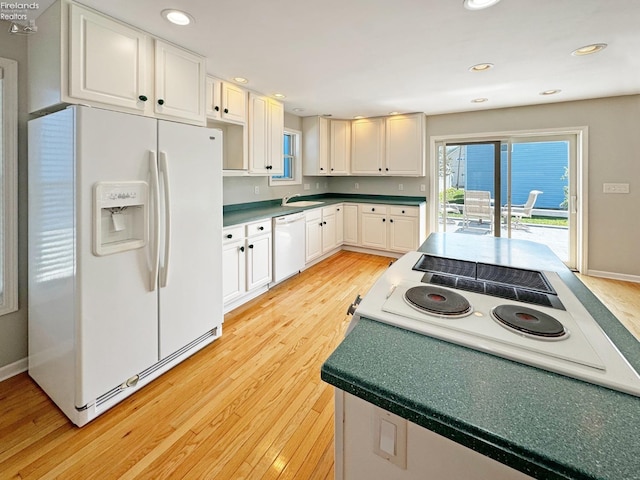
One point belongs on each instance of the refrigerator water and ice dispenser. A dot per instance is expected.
(121, 216)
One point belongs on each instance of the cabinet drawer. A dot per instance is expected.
(329, 210)
(231, 234)
(255, 228)
(373, 208)
(403, 211)
(315, 214)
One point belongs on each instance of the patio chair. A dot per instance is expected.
(522, 211)
(477, 205)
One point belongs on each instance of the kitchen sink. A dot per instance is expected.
(303, 203)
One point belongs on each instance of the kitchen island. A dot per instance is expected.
(540, 423)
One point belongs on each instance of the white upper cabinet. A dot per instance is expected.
(266, 135)
(367, 146)
(106, 61)
(179, 83)
(315, 146)
(340, 147)
(82, 56)
(226, 101)
(405, 145)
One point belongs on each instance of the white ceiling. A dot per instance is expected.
(370, 57)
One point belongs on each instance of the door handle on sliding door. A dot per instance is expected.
(164, 170)
(155, 190)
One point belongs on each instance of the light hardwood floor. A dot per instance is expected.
(249, 406)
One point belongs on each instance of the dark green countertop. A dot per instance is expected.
(543, 424)
(249, 212)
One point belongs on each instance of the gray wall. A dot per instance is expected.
(613, 156)
(13, 327)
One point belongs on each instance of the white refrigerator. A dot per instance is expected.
(125, 231)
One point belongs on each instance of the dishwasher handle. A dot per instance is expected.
(294, 217)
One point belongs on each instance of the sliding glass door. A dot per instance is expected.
(518, 187)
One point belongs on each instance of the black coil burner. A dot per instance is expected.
(528, 321)
(438, 301)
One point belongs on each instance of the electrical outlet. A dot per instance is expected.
(615, 188)
(400, 187)
(317, 185)
(256, 190)
(307, 186)
(423, 187)
(326, 184)
(357, 186)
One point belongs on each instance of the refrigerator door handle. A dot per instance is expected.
(164, 268)
(155, 189)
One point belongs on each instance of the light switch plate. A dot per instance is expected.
(615, 188)
(390, 437)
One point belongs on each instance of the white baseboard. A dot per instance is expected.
(614, 276)
(14, 368)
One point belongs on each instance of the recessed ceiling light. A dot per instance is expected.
(481, 67)
(358, 117)
(478, 4)
(394, 113)
(479, 100)
(177, 17)
(550, 92)
(298, 109)
(279, 95)
(589, 49)
(327, 114)
(240, 80)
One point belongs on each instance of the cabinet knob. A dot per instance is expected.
(229, 235)
(216, 108)
(143, 98)
(373, 209)
(242, 249)
(387, 169)
(250, 246)
(320, 224)
(321, 168)
(332, 169)
(391, 220)
(379, 169)
(337, 209)
(260, 228)
(402, 211)
(160, 101)
(226, 110)
(384, 219)
(324, 223)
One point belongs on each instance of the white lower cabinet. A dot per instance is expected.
(246, 260)
(339, 224)
(398, 229)
(321, 231)
(350, 224)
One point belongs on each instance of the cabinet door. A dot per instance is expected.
(405, 144)
(213, 99)
(233, 270)
(315, 146)
(106, 61)
(234, 103)
(373, 228)
(351, 224)
(179, 84)
(339, 224)
(340, 147)
(403, 234)
(276, 137)
(313, 242)
(258, 133)
(258, 261)
(367, 146)
(328, 232)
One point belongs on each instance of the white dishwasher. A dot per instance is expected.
(288, 245)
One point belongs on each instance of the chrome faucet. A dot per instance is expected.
(286, 198)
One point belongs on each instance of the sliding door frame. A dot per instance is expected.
(578, 201)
